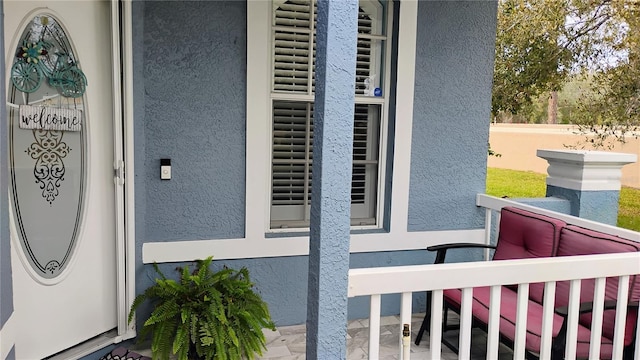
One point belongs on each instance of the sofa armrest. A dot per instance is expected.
(587, 307)
(442, 249)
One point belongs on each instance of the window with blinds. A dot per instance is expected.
(293, 45)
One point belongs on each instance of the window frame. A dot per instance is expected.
(377, 191)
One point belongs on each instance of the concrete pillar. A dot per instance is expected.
(590, 180)
(331, 196)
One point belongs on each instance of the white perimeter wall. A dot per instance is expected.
(518, 144)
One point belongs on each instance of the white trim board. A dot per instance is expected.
(406, 67)
(226, 249)
(129, 186)
(118, 138)
(258, 131)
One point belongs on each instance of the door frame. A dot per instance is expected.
(122, 56)
(122, 80)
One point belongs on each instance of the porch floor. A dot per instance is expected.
(289, 342)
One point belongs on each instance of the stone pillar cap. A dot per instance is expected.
(585, 170)
(588, 156)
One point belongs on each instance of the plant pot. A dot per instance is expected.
(193, 354)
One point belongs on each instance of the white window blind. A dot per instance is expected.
(293, 73)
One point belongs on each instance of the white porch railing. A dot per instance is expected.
(491, 203)
(406, 280)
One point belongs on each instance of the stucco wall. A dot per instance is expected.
(194, 76)
(189, 106)
(282, 281)
(454, 67)
(189, 98)
(517, 143)
(600, 206)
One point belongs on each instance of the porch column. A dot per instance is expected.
(590, 180)
(331, 197)
(7, 350)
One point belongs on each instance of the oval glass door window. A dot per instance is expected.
(47, 145)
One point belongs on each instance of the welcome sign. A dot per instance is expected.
(49, 118)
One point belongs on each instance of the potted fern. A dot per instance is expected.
(205, 315)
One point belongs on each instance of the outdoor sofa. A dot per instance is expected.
(524, 234)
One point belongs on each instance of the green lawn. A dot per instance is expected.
(517, 184)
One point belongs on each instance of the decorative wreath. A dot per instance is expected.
(31, 52)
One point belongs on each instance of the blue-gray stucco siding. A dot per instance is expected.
(601, 206)
(195, 85)
(282, 281)
(454, 65)
(189, 105)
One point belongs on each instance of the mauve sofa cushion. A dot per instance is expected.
(508, 308)
(524, 234)
(575, 240)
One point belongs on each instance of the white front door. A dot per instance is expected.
(62, 190)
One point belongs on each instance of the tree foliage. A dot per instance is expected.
(530, 59)
(541, 43)
(612, 110)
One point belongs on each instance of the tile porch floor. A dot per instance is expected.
(289, 342)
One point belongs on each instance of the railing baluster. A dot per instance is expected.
(521, 322)
(374, 327)
(405, 318)
(637, 345)
(596, 318)
(621, 315)
(406, 279)
(494, 323)
(547, 319)
(435, 331)
(487, 233)
(498, 218)
(572, 320)
(465, 324)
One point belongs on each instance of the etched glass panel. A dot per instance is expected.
(47, 145)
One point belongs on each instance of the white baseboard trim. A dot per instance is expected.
(223, 249)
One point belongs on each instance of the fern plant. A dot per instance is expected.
(205, 315)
